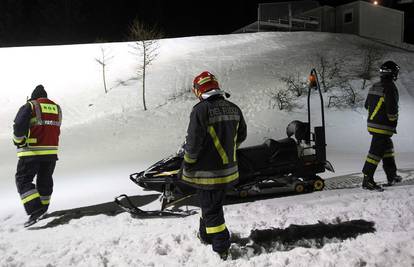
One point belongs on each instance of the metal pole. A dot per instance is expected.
(258, 18)
(290, 17)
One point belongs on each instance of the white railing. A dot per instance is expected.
(294, 23)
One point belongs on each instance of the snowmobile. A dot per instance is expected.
(291, 164)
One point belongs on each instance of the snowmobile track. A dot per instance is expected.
(354, 180)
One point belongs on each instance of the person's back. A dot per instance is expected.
(216, 129)
(217, 123)
(36, 132)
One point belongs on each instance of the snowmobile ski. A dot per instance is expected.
(142, 214)
(175, 202)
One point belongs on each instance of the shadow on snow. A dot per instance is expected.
(108, 208)
(307, 236)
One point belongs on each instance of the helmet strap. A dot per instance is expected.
(196, 93)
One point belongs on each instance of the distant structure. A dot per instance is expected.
(364, 19)
(360, 17)
(286, 16)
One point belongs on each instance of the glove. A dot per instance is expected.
(20, 144)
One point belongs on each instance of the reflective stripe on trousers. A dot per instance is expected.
(29, 196)
(216, 229)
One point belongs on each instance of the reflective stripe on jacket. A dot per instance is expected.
(43, 128)
(382, 105)
(216, 129)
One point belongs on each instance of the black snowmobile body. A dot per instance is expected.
(291, 164)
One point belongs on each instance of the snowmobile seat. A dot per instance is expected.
(267, 155)
(282, 150)
(253, 158)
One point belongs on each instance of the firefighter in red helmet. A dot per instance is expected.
(36, 133)
(216, 129)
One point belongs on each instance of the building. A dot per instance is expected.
(362, 18)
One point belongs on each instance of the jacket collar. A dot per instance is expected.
(214, 92)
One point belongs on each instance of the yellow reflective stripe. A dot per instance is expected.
(217, 144)
(392, 117)
(388, 155)
(45, 201)
(167, 173)
(204, 80)
(49, 108)
(36, 153)
(18, 139)
(188, 159)
(377, 107)
(29, 198)
(380, 131)
(235, 144)
(216, 229)
(372, 161)
(31, 140)
(212, 181)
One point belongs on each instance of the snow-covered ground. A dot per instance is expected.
(105, 137)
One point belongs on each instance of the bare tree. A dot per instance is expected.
(371, 54)
(294, 83)
(329, 70)
(145, 47)
(347, 96)
(283, 98)
(103, 61)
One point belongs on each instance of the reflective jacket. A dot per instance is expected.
(382, 105)
(37, 129)
(216, 129)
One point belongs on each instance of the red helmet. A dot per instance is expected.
(204, 82)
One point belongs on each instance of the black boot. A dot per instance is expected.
(204, 241)
(223, 255)
(369, 184)
(35, 216)
(394, 179)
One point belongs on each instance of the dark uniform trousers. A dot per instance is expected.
(35, 197)
(212, 226)
(381, 148)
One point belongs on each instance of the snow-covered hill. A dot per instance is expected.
(105, 137)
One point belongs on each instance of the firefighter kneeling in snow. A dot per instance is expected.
(382, 105)
(36, 135)
(216, 129)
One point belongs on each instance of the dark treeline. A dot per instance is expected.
(43, 22)
(39, 22)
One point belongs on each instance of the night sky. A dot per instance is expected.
(42, 22)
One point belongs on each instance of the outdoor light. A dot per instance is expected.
(375, 2)
(312, 81)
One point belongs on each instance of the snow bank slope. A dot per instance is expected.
(105, 137)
